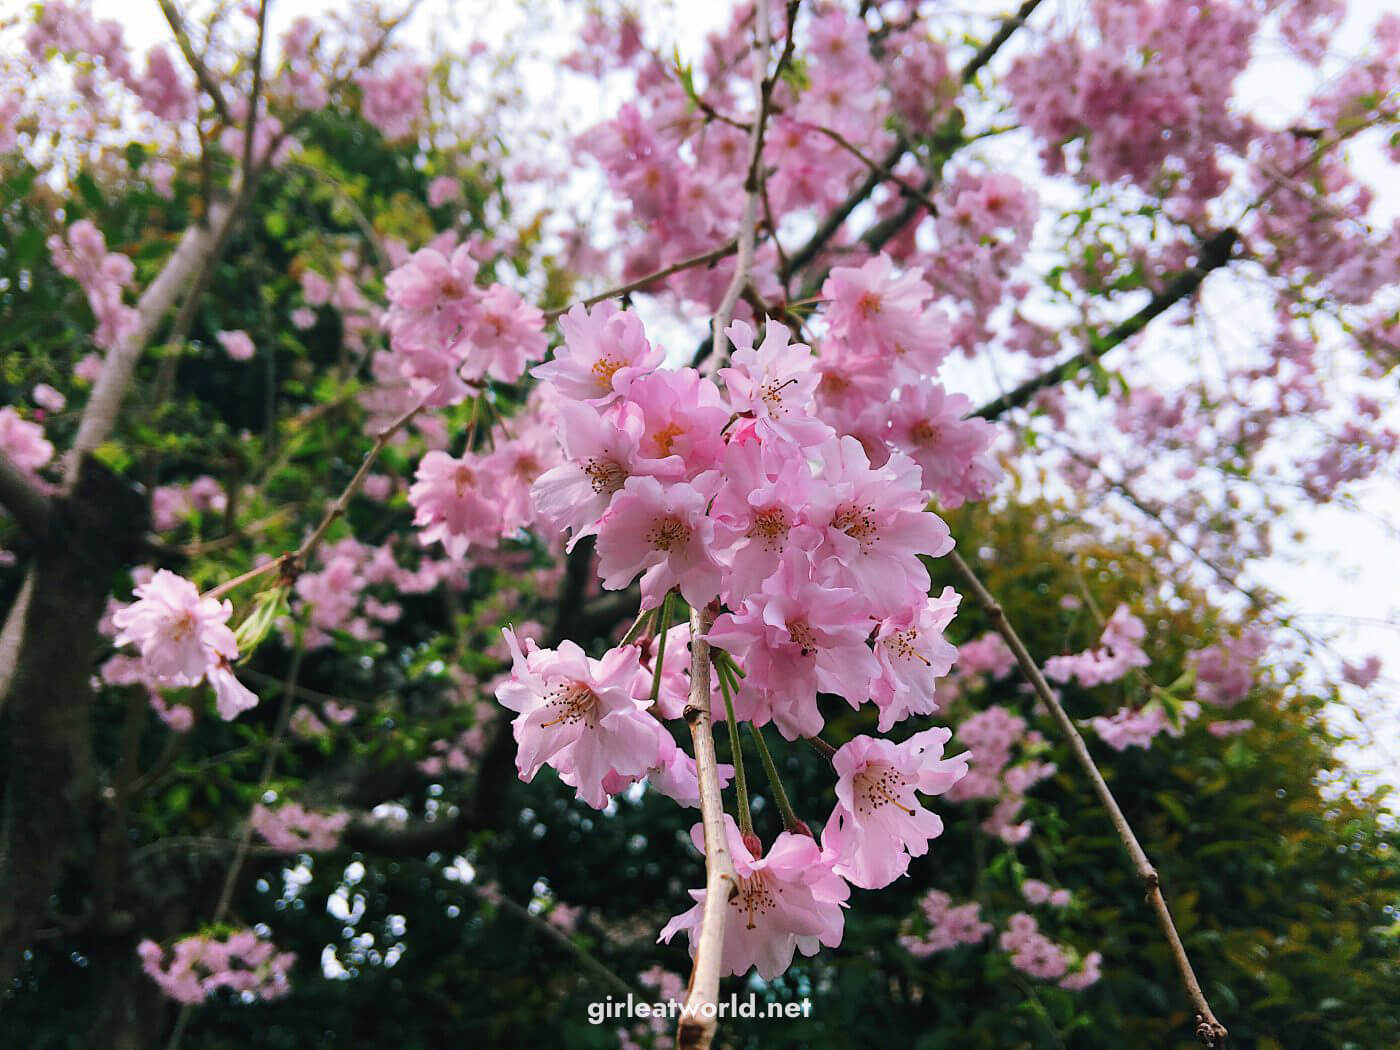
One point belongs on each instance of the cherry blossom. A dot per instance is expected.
(789, 899)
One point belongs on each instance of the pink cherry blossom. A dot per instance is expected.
(878, 823)
(22, 442)
(796, 637)
(927, 423)
(604, 350)
(588, 717)
(875, 527)
(875, 312)
(237, 345)
(181, 636)
(454, 503)
(775, 383)
(662, 531)
(913, 655)
(599, 449)
(788, 900)
(683, 418)
(760, 512)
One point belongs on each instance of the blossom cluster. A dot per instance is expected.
(103, 276)
(1002, 766)
(294, 829)
(947, 926)
(203, 963)
(806, 539)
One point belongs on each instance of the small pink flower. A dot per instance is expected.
(788, 900)
(913, 655)
(442, 189)
(663, 530)
(587, 718)
(878, 822)
(237, 345)
(604, 350)
(454, 503)
(794, 637)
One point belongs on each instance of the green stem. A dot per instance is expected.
(639, 626)
(741, 784)
(790, 821)
(664, 624)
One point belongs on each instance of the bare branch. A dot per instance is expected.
(1214, 254)
(641, 283)
(1209, 1030)
(196, 63)
(988, 50)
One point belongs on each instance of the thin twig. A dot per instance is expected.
(1209, 1030)
(293, 562)
(908, 189)
(713, 255)
(541, 923)
(196, 63)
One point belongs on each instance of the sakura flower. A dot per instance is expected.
(604, 351)
(587, 717)
(913, 654)
(775, 383)
(927, 423)
(788, 900)
(1088, 975)
(795, 637)
(442, 189)
(875, 527)
(231, 696)
(875, 312)
(180, 634)
(878, 823)
(23, 442)
(599, 449)
(237, 345)
(683, 417)
(761, 511)
(48, 398)
(506, 333)
(184, 638)
(663, 530)
(454, 503)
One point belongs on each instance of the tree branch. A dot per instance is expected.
(711, 256)
(696, 1031)
(1209, 1030)
(195, 62)
(25, 501)
(1214, 254)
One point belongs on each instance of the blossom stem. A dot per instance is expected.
(736, 747)
(663, 626)
(639, 626)
(790, 821)
(821, 747)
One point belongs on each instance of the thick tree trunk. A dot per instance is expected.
(94, 531)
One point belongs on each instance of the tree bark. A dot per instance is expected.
(93, 532)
